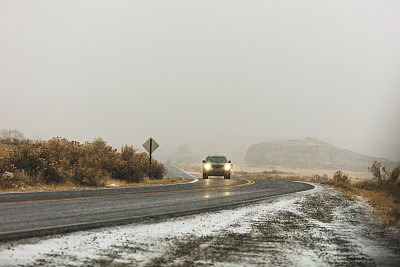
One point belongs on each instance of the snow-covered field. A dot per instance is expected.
(317, 228)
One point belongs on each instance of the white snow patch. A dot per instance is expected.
(77, 247)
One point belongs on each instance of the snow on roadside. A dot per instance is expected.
(77, 248)
(155, 242)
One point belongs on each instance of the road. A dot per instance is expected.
(52, 212)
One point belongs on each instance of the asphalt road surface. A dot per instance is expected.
(53, 212)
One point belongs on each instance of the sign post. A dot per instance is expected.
(150, 145)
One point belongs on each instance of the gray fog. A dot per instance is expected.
(190, 72)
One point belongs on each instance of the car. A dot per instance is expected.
(217, 166)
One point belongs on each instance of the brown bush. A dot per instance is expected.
(395, 175)
(341, 179)
(89, 176)
(157, 170)
(367, 185)
(316, 178)
(5, 153)
(18, 179)
(59, 161)
(131, 166)
(385, 176)
(376, 170)
(7, 180)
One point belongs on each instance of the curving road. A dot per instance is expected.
(41, 213)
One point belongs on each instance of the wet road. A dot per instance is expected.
(53, 212)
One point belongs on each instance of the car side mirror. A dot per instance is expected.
(204, 161)
(229, 161)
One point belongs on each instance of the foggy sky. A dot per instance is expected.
(181, 71)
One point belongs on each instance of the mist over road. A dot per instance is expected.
(42, 213)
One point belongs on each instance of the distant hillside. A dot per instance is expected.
(309, 153)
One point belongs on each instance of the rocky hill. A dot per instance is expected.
(309, 153)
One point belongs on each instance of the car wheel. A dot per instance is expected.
(205, 176)
(227, 176)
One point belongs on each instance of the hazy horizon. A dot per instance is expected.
(187, 71)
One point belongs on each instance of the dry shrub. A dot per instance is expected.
(341, 179)
(395, 175)
(59, 161)
(319, 179)
(367, 185)
(88, 176)
(384, 192)
(385, 198)
(383, 175)
(18, 179)
(376, 170)
(157, 170)
(316, 178)
(5, 153)
(131, 166)
(7, 180)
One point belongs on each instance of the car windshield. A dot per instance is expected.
(216, 159)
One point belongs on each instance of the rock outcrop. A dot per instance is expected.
(310, 153)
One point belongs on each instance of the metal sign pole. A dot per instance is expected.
(151, 144)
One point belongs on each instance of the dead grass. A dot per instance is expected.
(386, 203)
(110, 184)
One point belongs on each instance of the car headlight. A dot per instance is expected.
(227, 167)
(207, 166)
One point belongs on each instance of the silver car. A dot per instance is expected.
(217, 166)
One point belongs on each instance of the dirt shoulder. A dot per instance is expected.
(323, 229)
(110, 184)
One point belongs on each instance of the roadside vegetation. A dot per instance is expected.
(60, 163)
(382, 192)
